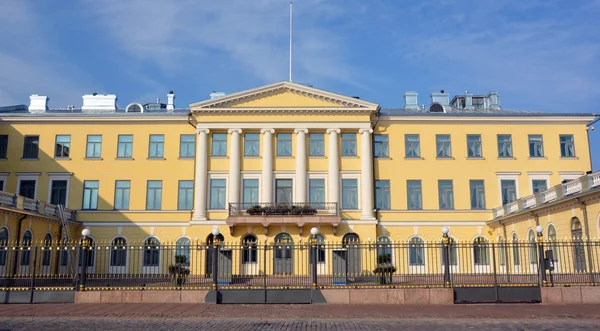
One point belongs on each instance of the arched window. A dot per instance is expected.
(416, 251)
(47, 252)
(90, 254)
(384, 247)
(578, 249)
(26, 244)
(283, 251)
(481, 253)
(118, 252)
(3, 244)
(452, 252)
(249, 249)
(320, 249)
(576, 231)
(182, 251)
(350, 238)
(502, 250)
(552, 241)
(532, 247)
(515, 249)
(151, 252)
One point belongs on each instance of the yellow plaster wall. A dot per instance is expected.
(285, 99)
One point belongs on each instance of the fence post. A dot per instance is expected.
(541, 260)
(84, 262)
(32, 271)
(314, 232)
(446, 252)
(215, 266)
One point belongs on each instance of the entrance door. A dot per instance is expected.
(351, 242)
(209, 253)
(578, 248)
(283, 255)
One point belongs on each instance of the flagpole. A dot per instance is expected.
(290, 41)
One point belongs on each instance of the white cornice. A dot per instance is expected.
(433, 223)
(488, 119)
(96, 120)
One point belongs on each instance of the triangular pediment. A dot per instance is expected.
(284, 95)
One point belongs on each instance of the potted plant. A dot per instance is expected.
(255, 210)
(384, 269)
(179, 270)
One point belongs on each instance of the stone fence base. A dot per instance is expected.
(570, 295)
(140, 296)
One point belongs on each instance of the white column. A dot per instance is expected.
(267, 166)
(333, 173)
(234, 166)
(366, 162)
(301, 165)
(201, 174)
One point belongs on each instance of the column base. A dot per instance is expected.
(368, 218)
(199, 218)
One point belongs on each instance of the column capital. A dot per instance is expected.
(296, 131)
(361, 131)
(238, 131)
(330, 131)
(202, 130)
(263, 131)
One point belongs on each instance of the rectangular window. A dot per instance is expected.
(446, 194)
(27, 188)
(187, 146)
(317, 144)
(443, 146)
(154, 195)
(348, 144)
(90, 195)
(217, 193)
(509, 191)
(349, 194)
(474, 145)
(567, 145)
(250, 192)
(477, 194)
(413, 145)
(58, 192)
(122, 191)
(536, 145)
(31, 147)
(1, 185)
(219, 144)
(185, 199)
(3, 146)
(284, 144)
(415, 195)
(157, 146)
(251, 144)
(505, 145)
(125, 147)
(382, 194)
(539, 185)
(62, 146)
(283, 191)
(316, 192)
(93, 146)
(381, 146)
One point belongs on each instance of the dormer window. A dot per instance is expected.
(134, 108)
(436, 108)
(478, 102)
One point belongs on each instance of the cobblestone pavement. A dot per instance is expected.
(128, 324)
(115, 317)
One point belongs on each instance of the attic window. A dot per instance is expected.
(134, 108)
(478, 102)
(436, 108)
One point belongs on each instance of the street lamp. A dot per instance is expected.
(314, 232)
(216, 233)
(84, 255)
(85, 233)
(540, 248)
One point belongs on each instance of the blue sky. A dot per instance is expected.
(540, 55)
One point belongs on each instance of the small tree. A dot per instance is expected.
(384, 269)
(180, 270)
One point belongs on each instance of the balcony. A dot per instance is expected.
(14, 202)
(297, 214)
(575, 187)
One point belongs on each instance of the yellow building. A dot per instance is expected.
(272, 162)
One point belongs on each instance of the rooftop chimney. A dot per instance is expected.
(215, 95)
(493, 100)
(441, 97)
(170, 101)
(99, 103)
(410, 100)
(38, 103)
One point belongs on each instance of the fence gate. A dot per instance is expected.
(503, 272)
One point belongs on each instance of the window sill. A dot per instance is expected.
(444, 158)
(414, 158)
(30, 159)
(62, 158)
(124, 158)
(186, 158)
(219, 157)
(569, 158)
(216, 210)
(350, 210)
(284, 156)
(156, 158)
(93, 158)
(317, 157)
(251, 157)
(382, 157)
(350, 156)
(475, 158)
(537, 158)
(506, 158)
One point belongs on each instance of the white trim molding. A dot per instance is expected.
(21, 176)
(55, 176)
(508, 176)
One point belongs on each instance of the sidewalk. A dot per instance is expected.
(295, 312)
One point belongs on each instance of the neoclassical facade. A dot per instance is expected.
(275, 161)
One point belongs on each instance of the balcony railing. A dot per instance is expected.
(283, 209)
(580, 185)
(31, 205)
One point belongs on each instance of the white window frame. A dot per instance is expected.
(59, 176)
(3, 177)
(119, 269)
(507, 176)
(28, 176)
(539, 176)
(151, 269)
(250, 176)
(317, 176)
(570, 175)
(358, 184)
(274, 187)
(218, 176)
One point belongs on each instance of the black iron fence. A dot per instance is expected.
(262, 265)
(281, 209)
